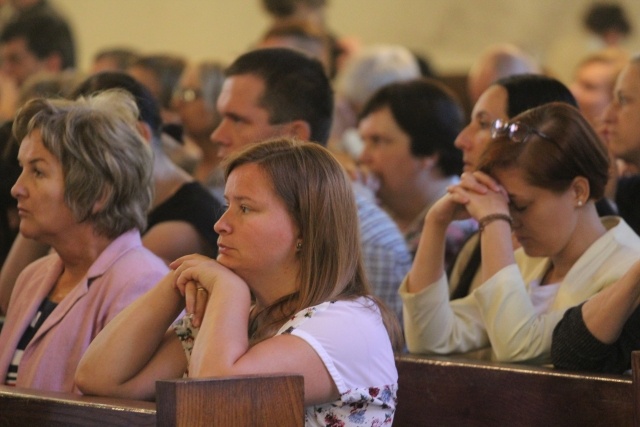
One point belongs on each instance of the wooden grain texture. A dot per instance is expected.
(232, 401)
(21, 407)
(456, 392)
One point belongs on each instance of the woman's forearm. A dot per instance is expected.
(124, 359)
(428, 265)
(496, 248)
(223, 337)
(606, 312)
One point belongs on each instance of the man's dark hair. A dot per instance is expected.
(147, 104)
(286, 8)
(604, 17)
(44, 34)
(429, 113)
(295, 88)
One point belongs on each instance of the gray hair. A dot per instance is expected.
(374, 67)
(103, 156)
(212, 77)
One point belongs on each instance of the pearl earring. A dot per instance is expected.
(299, 245)
(579, 202)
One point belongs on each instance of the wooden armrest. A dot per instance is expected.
(251, 400)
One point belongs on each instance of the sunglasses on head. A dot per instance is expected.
(515, 131)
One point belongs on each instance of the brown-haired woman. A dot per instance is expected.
(289, 238)
(538, 179)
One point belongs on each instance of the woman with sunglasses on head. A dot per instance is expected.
(504, 99)
(539, 178)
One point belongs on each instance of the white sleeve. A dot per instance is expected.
(516, 331)
(433, 324)
(351, 340)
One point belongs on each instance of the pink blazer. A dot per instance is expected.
(123, 271)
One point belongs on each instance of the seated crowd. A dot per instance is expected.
(165, 219)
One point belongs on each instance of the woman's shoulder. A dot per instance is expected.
(333, 313)
(126, 255)
(47, 265)
(621, 232)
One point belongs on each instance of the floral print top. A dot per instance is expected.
(341, 332)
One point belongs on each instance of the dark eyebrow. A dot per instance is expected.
(239, 198)
(32, 161)
(235, 116)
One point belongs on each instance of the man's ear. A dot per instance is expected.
(429, 162)
(53, 62)
(299, 129)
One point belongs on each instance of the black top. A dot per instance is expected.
(192, 203)
(574, 346)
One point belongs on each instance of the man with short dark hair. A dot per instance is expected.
(280, 92)
(36, 42)
(31, 43)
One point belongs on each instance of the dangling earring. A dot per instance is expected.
(299, 245)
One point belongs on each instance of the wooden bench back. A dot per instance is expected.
(456, 392)
(20, 407)
(432, 391)
(234, 401)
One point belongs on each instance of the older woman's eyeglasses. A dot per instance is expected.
(516, 131)
(187, 94)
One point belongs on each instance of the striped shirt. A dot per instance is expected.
(43, 312)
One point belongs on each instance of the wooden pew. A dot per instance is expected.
(237, 401)
(21, 407)
(276, 400)
(457, 392)
(441, 391)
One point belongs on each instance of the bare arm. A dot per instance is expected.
(428, 265)
(478, 196)
(23, 252)
(222, 347)
(484, 198)
(606, 312)
(171, 240)
(135, 349)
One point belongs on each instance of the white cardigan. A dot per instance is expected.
(500, 313)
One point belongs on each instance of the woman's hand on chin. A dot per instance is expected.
(195, 279)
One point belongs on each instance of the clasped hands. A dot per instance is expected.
(475, 196)
(195, 277)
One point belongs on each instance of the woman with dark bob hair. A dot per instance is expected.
(290, 239)
(538, 179)
(84, 190)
